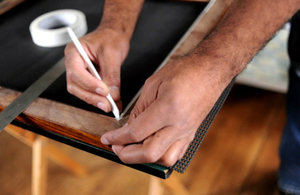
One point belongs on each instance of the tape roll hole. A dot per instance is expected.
(58, 21)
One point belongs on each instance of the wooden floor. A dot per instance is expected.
(238, 156)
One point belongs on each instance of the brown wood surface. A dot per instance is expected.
(39, 166)
(239, 156)
(63, 119)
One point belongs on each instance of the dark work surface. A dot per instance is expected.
(160, 26)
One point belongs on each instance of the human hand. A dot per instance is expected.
(107, 49)
(172, 105)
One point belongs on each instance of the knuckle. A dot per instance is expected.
(168, 161)
(114, 77)
(69, 75)
(72, 76)
(135, 135)
(67, 61)
(174, 101)
(70, 89)
(110, 50)
(135, 112)
(183, 152)
(148, 82)
(151, 155)
(123, 158)
(88, 99)
(182, 126)
(66, 50)
(190, 138)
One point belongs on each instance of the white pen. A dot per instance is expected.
(92, 69)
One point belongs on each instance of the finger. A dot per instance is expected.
(184, 150)
(150, 151)
(100, 90)
(83, 78)
(115, 94)
(147, 123)
(147, 97)
(174, 153)
(110, 65)
(77, 73)
(91, 98)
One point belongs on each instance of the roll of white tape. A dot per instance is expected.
(50, 29)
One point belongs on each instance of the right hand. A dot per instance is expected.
(173, 103)
(107, 49)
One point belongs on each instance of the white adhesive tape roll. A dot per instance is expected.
(50, 29)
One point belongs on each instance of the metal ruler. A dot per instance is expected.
(30, 94)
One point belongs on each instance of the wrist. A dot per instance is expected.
(115, 31)
(121, 16)
(226, 52)
(114, 36)
(215, 68)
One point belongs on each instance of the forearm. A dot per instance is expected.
(121, 15)
(246, 27)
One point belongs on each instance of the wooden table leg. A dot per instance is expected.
(175, 185)
(39, 167)
(155, 187)
(41, 150)
(62, 159)
(53, 152)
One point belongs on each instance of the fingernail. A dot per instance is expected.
(113, 148)
(104, 141)
(99, 90)
(102, 106)
(114, 91)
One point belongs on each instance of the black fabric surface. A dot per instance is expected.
(160, 26)
(294, 42)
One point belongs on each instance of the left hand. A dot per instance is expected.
(107, 49)
(172, 105)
